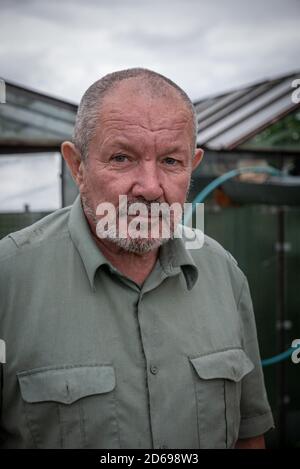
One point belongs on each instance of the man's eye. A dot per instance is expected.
(170, 161)
(119, 158)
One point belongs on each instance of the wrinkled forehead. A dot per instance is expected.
(134, 104)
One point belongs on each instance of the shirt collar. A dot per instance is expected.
(81, 236)
(174, 257)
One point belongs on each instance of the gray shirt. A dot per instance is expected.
(96, 361)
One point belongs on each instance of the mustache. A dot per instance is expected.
(124, 209)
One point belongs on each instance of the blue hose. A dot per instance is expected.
(280, 357)
(230, 174)
(202, 196)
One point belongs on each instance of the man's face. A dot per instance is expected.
(143, 149)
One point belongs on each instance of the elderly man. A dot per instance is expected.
(127, 342)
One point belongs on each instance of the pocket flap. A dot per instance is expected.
(66, 384)
(231, 364)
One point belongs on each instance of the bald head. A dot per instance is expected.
(139, 83)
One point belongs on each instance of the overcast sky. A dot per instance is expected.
(206, 46)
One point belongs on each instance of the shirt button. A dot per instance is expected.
(153, 369)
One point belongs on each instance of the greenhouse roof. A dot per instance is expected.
(233, 119)
(257, 117)
(31, 121)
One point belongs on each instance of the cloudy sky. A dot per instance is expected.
(206, 46)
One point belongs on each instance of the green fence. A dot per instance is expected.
(250, 233)
(10, 222)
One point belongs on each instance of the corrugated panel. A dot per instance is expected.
(253, 122)
(28, 116)
(219, 105)
(240, 99)
(230, 119)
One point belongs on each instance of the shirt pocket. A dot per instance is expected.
(70, 406)
(218, 383)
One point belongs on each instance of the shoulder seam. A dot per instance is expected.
(241, 292)
(13, 240)
(32, 246)
(222, 252)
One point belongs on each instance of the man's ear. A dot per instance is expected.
(73, 159)
(197, 158)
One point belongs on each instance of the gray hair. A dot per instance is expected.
(89, 107)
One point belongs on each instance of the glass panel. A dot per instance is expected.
(232, 136)
(28, 117)
(238, 101)
(284, 134)
(263, 105)
(30, 182)
(220, 103)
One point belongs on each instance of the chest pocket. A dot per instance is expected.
(218, 382)
(70, 407)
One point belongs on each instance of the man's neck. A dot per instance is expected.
(137, 267)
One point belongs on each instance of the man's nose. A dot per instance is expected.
(148, 183)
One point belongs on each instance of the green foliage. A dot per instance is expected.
(283, 134)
